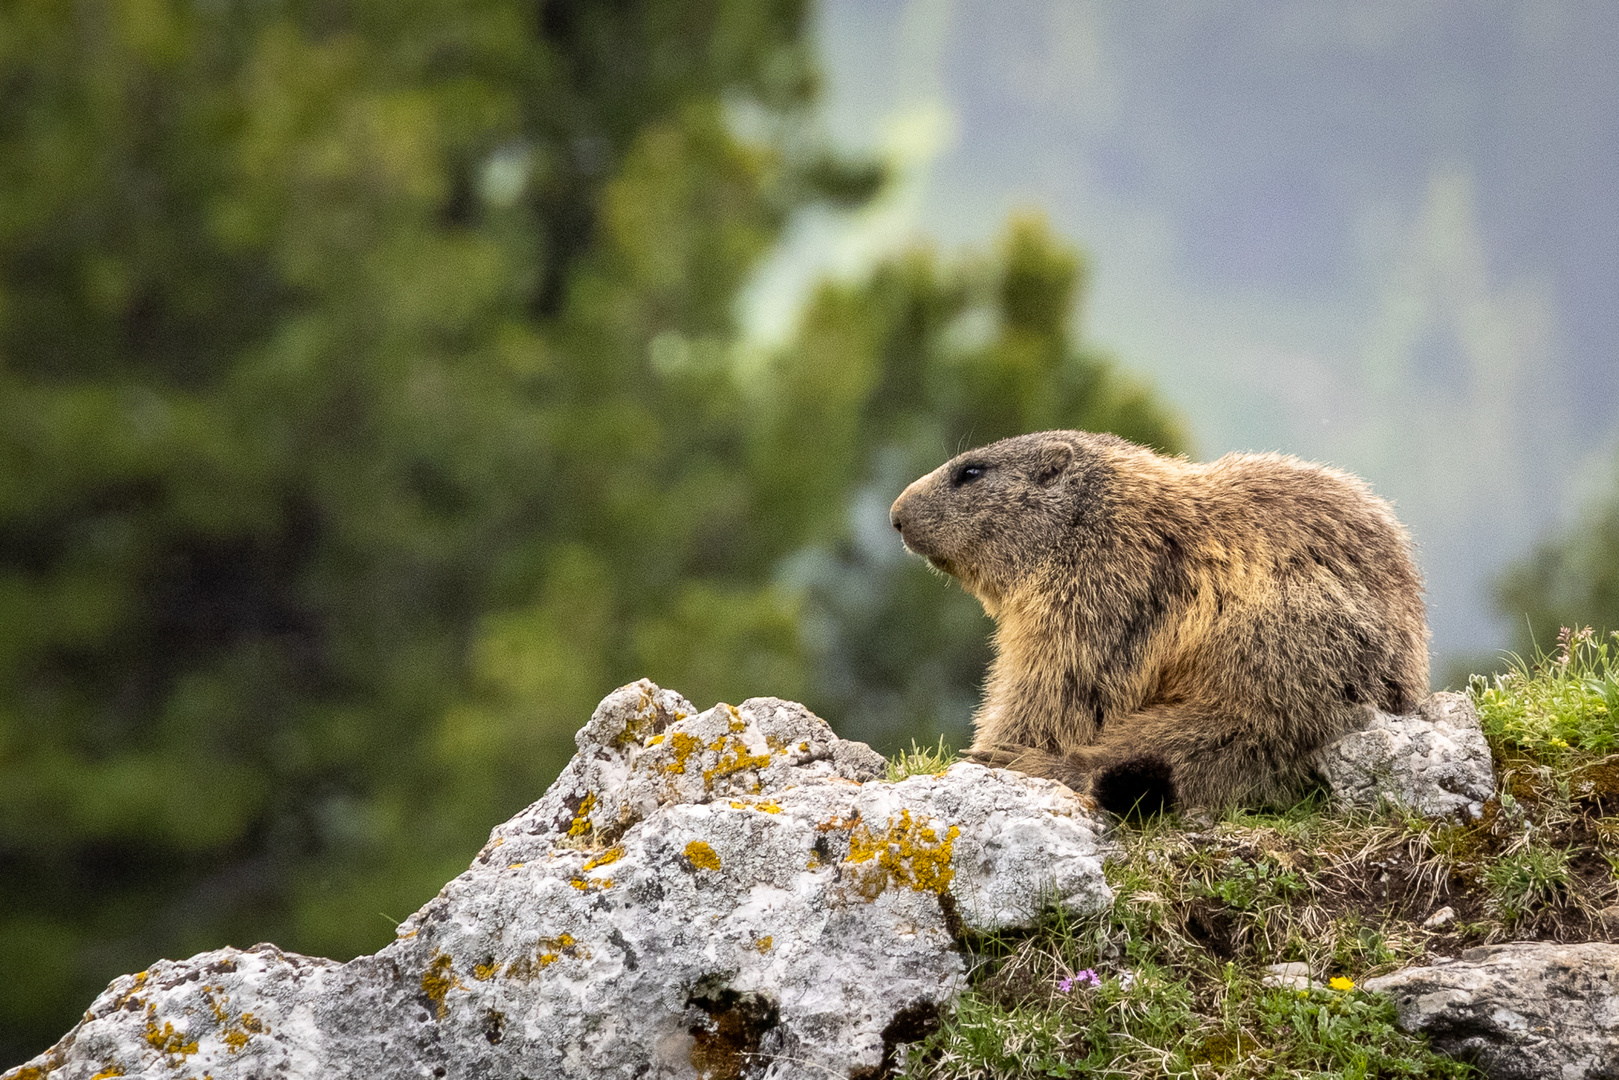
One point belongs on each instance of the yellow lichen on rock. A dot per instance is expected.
(166, 1039)
(235, 1034)
(105, 1074)
(647, 715)
(239, 1035)
(561, 944)
(910, 853)
(701, 856)
(129, 995)
(216, 1007)
(547, 952)
(739, 760)
(611, 855)
(438, 980)
(581, 817)
(684, 746)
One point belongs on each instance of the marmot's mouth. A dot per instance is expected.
(942, 564)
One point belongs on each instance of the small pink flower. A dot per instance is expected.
(1085, 978)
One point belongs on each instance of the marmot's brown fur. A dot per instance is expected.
(1168, 631)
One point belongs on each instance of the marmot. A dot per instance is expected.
(1169, 632)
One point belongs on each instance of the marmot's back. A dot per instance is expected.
(1338, 559)
(1171, 629)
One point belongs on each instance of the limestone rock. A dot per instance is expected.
(1289, 976)
(1437, 762)
(1440, 919)
(725, 893)
(1524, 1011)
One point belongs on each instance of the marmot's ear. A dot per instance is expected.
(1054, 458)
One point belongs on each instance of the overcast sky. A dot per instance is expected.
(1380, 234)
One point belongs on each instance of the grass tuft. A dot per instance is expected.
(1555, 706)
(921, 760)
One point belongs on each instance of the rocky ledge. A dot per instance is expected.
(738, 892)
(714, 894)
(1528, 1010)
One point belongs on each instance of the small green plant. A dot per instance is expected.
(1252, 886)
(921, 760)
(1553, 706)
(1532, 878)
(1358, 947)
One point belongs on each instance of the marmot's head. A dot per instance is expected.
(993, 515)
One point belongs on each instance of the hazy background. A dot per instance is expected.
(382, 382)
(1383, 234)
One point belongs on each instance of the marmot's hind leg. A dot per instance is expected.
(1166, 757)
(1179, 756)
(1124, 783)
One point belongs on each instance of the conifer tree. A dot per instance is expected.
(324, 384)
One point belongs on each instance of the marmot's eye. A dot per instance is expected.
(967, 473)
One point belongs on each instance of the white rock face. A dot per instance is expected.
(1524, 1011)
(1289, 976)
(719, 894)
(1436, 762)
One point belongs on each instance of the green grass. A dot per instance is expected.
(921, 760)
(1556, 705)
(1201, 907)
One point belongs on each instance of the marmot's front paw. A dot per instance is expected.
(997, 756)
(1025, 759)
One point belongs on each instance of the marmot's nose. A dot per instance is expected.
(899, 515)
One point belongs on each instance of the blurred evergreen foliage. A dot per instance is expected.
(371, 404)
(1570, 580)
